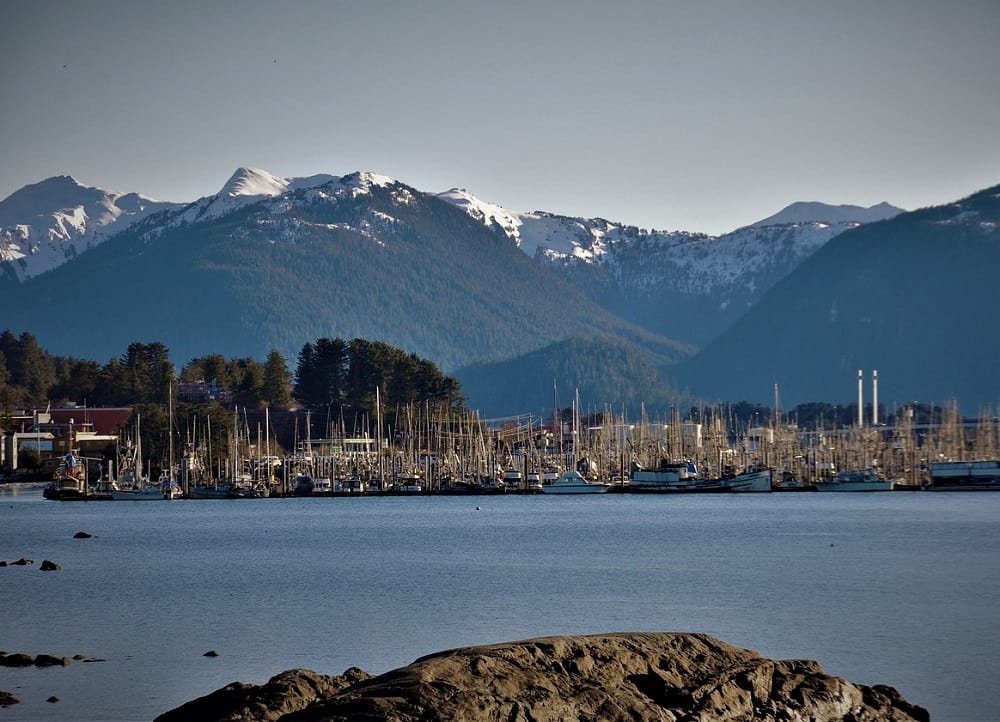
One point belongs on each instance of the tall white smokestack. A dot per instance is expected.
(875, 397)
(861, 397)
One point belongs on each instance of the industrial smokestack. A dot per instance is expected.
(861, 397)
(875, 397)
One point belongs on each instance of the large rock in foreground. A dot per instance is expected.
(613, 677)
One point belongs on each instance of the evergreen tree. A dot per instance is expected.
(148, 372)
(32, 368)
(276, 390)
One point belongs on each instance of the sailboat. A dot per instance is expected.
(131, 484)
(572, 481)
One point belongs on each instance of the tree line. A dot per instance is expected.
(329, 373)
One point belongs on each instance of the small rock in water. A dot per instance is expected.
(83, 535)
(49, 566)
(52, 700)
(49, 660)
(22, 562)
(7, 699)
(16, 659)
(210, 653)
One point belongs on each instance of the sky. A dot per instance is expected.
(697, 116)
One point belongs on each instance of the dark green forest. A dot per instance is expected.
(332, 376)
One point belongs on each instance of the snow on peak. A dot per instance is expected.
(487, 213)
(248, 185)
(375, 179)
(253, 182)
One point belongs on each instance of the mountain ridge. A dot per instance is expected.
(910, 296)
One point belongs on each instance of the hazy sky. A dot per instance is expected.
(694, 115)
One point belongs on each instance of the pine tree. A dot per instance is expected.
(277, 387)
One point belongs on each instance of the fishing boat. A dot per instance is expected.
(131, 485)
(572, 482)
(69, 483)
(865, 480)
(750, 480)
(672, 478)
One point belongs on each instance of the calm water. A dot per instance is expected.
(902, 589)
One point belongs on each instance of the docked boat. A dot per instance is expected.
(533, 483)
(136, 491)
(211, 491)
(303, 485)
(750, 480)
(69, 483)
(981, 475)
(353, 485)
(572, 482)
(866, 480)
(512, 481)
(672, 478)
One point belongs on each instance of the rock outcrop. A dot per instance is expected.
(279, 697)
(612, 677)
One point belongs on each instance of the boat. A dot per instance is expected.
(572, 482)
(512, 481)
(204, 490)
(353, 485)
(533, 483)
(131, 485)
(866, 480)
(672, 478)
(303, 485)
(750, 480)
(136, 491)
(979, 475)
(69, 483)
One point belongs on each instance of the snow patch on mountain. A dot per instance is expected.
(44, 224)
(246, 186)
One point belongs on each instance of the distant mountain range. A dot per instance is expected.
(490, 294)
(914, 298)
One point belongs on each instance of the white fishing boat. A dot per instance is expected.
(750, 480)
(572, 482)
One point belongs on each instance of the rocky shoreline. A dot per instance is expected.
(614, 677)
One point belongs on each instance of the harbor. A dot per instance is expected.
(446, 454)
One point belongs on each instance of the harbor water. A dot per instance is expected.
(894, 588)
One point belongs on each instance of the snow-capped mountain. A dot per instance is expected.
(270, 263)
(45, 224)
(685, 285)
